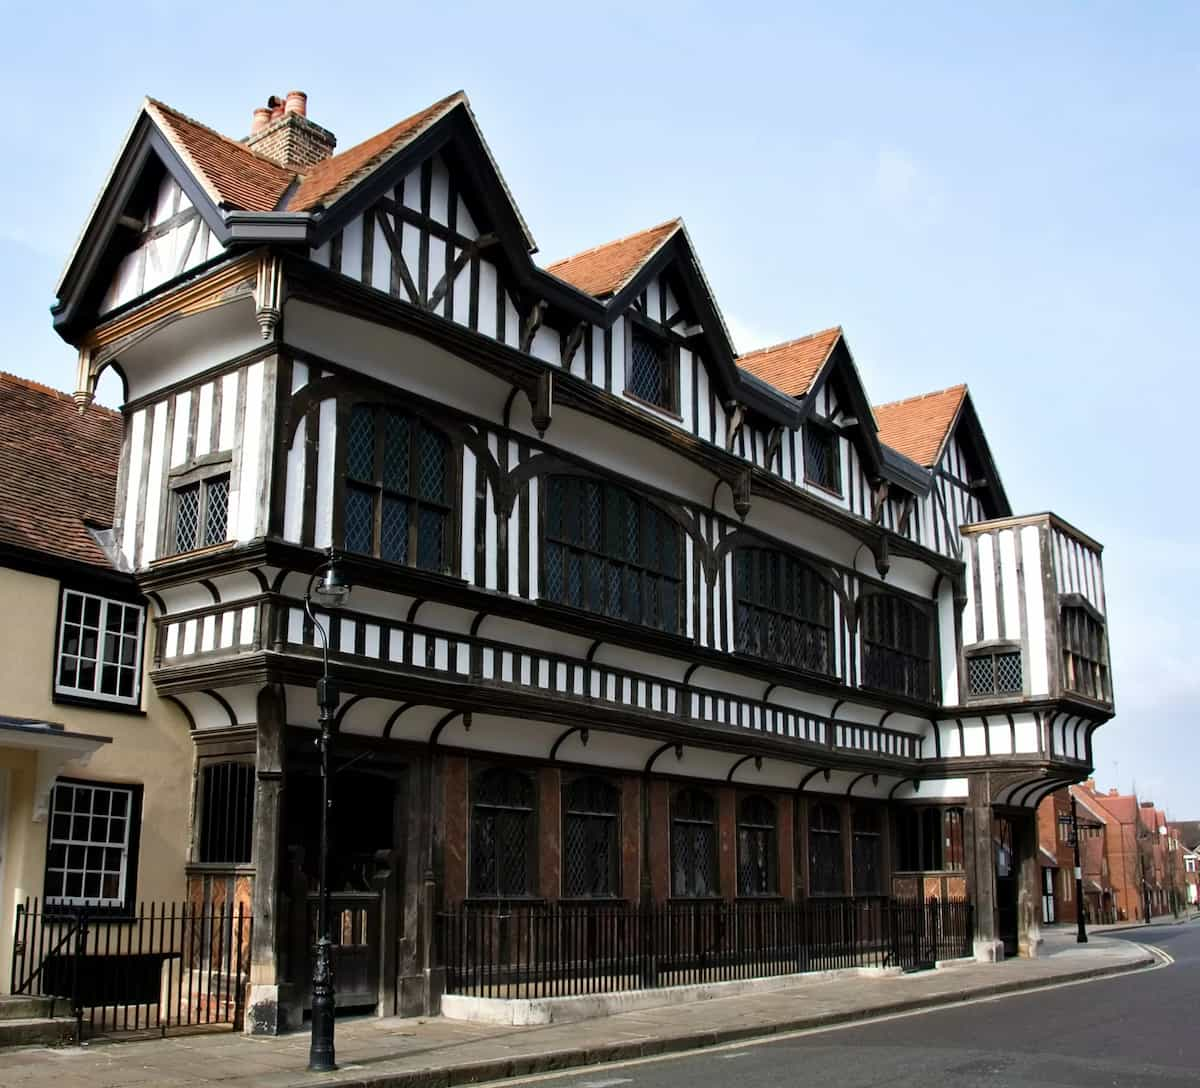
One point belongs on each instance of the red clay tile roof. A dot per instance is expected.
(604, 270)
(233, 174)
(329, 179)
(56, 469)
(792, 366)
(917, 427)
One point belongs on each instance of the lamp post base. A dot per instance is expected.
(320, 1050)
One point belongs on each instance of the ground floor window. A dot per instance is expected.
(91, 849)
(694, 844)
(502, 839)
(929, 839)
(226, 813)
(826, 867)
(590, 844)
(757, 849)
(867, 851)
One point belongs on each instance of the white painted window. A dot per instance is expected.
(88, 852)
(99, 648)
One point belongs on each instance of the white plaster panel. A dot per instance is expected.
(179, 433)
(252, 437)
(987, 585)
(1031, 560)
(154, 482)
(133, 479)
(327, 434)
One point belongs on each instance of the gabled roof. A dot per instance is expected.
(919, 426)
(58, 471)
(603, 270)
(233, 175)
(792, 367)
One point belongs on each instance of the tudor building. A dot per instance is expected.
(634, 618)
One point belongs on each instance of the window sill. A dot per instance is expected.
(200, 868)
(670, 413)
(833, 492)
(63, 699)
(505, 900)
(195, 553)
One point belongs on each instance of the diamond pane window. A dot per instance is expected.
(994, 674)
(866, 851)
(201, 514)
(693, 844)
(821, 457)
(216, 513)
(187, 518)
(590, 838)
(897, 646)
(610, 551)
(396, 496)
(783, 610)
(99, 648)
(757, 850)
(502, 834)
(92, 829)
(651, 370)
(826, 866)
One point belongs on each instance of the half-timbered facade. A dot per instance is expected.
(635, 618)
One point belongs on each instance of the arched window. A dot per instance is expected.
(591, 854)
(867, 850)
(897, 646)
(758, 851)
(826, 868)
(610, 551)
(397, 499)
(784, 610)
(693, 844)
(226, 813)
(502, 840)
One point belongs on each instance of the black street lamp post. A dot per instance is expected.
(1072, 827)
(331, 590)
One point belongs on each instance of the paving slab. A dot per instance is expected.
(437, 1053)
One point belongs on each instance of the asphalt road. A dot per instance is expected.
(1131, 1031)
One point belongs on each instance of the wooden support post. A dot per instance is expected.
(981, 866)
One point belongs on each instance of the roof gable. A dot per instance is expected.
(792, 367)
(604, 270)
(58, 471)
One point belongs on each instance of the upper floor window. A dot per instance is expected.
(997, 673)
(226, 813)
(200, 515)
(821, 465)
(502, 840)
(91, 849)
(758, 868)
(653, 371)
(612, 552)
(897, 646)
(590, 852)
(694, 844)
(1085, 660)
(396, 503)
(826, 866)
(1189, 864)
(784, 610)
(99, 648)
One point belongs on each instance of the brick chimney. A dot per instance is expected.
(281, 131)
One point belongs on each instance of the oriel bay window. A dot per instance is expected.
(590, 845)
(612, 552)
(758, 852)
(784, 610)
(826, 865)
(897, 646)
(397, 495)
(1085, 658)
(694, 844)
(502, 835)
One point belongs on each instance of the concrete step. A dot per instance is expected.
(37, 1031)
(24, 1007)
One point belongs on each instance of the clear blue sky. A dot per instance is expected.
(1005, 197)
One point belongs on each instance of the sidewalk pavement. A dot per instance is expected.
(1160, 920)
(412, 1053)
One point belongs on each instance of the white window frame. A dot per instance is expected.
(69, 842)
(95, 692)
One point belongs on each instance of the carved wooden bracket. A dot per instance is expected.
(541, 402)
(740, 486)
(883, 559)
(85, 380)
(571, 344)
(774, 442)
(879, 490)
(531, 324)
(735, 418)
(268, 294)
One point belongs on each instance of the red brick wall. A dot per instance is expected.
(631, 838)
(660, 841)
(454, 789)
(786, 822)
(549, 831)
(727, 840)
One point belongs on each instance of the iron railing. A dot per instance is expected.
(566, 950)
(170, 965)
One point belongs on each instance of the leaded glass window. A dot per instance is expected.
(502, 834)
(1085, 654)
(758, 853)
(652, 369)
(590, 848)
(994, 673)
(821, 456)
(396, 502)
(784, 610)
(694, 844)
(610, 551)
(897, 646)
(99, 648)
(201, 516)
(826, 866)
(867, 850)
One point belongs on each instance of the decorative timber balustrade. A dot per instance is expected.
(276, 623)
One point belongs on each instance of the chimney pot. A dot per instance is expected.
(297, 102)
(262, 118)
